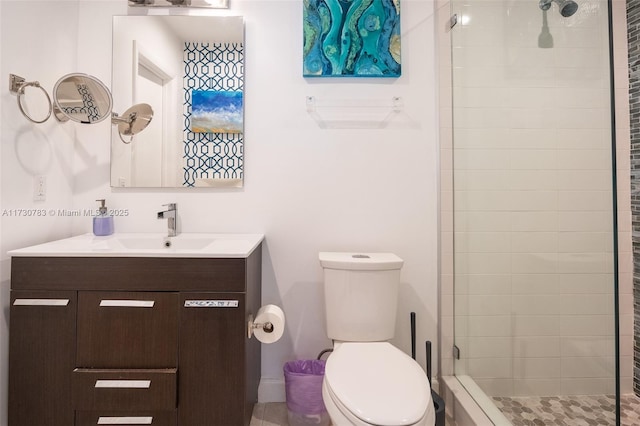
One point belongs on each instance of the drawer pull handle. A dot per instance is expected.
(211, 304)
(130, 384)
(125, 420)
(41, 302)
(128, 303)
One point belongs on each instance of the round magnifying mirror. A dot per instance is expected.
(81, 98)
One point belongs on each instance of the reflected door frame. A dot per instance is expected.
(143, 58)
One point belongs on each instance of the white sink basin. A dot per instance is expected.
(162, 243)
(147, 245)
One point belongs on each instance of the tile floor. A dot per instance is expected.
(521, 411)
(569, 410)
(275, 414)
(271, 414)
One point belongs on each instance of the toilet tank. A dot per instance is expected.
(361, 295)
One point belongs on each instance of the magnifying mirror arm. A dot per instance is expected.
(117, 120)
(127, 142)
(133, 121)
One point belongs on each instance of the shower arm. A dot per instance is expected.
(566, 7)
(545, 4)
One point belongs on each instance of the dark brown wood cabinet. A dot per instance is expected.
(214, 336)
(41, 357)
(127, 329)
(159, 341)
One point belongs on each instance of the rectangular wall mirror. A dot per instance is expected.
(190, 70)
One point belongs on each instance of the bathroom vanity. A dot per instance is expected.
(102, 332)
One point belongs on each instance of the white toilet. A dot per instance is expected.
(368, 381)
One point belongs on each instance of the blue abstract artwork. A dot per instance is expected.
(358, 38)
(215, 111)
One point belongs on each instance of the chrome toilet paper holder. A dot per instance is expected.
(267, 326)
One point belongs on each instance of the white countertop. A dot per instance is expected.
(147, 245)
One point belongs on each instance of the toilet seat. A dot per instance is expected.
(377, 383)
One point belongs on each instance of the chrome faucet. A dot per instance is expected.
(171, 214)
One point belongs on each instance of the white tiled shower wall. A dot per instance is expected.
(533, 290)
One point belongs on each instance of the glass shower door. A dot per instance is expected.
(533, 208)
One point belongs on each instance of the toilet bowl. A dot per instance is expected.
(367, 380)
(374, 383)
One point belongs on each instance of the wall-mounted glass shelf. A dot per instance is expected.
(353, 113)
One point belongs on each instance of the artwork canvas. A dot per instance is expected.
(215, 111)
(358, 38)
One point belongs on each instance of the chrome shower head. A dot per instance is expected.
(567, 7)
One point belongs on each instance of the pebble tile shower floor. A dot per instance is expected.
(569, 410)
(521, 411)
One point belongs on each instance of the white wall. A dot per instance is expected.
(37, 42)
(4, 318)
(306, 188)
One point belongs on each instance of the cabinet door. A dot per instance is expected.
(42, 341)
(212, 359)
(127, 329)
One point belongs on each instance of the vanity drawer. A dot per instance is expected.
(128, 390)
(127, 329)
(123, 418)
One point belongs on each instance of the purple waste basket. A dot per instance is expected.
(303, 387)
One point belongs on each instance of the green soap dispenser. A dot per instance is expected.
(102, 223)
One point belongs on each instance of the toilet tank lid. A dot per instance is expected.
(360, 261)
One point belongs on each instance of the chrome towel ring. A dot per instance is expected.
(17, 87)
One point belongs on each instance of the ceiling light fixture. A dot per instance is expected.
(214, 4)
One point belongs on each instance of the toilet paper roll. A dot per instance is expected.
(269, 314)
